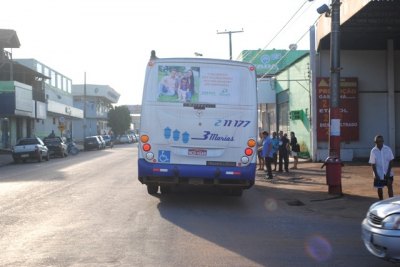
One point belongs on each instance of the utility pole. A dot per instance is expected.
(334, 112)
(230, 40)
(84, 107)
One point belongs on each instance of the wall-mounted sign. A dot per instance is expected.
(348, 104)
(296, 115)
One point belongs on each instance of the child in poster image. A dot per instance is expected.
(183, 90)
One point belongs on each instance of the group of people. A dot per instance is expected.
(178, 84)
(278, 146)
(275, 150)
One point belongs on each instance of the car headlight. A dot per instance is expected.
(391, 222)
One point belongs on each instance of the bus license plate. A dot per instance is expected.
(196, 152)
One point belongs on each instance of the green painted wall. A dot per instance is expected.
(7, 86)
(295, 79)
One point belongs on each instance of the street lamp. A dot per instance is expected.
(324, 9)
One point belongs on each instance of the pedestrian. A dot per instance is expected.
(295, 148)
(261, 161)
(52, 134)
(267, 153)
(381, 158)
(275, 148)
(283, 152)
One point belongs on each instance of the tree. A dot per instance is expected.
(119, 119)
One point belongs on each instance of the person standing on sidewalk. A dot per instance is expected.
(283, 151)
(295, 148)
(275, 148)
(261, 161)
(267, 153)
(381, 158)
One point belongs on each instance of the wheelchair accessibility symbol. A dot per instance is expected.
(164, 156)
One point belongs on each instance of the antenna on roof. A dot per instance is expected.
(153, 54)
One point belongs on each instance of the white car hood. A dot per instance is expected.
(386, 207)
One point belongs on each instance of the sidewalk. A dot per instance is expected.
(306, 186)
(5, 157)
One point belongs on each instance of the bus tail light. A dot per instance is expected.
(146, 147)
(144, 138)
(248, 151)
(251, 143)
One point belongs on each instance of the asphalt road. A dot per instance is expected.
(90, 210)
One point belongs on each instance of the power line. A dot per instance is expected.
(287, 53)
(284, 26)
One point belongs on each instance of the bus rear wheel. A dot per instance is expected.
(152, 189)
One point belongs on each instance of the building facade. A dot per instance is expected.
(60, 110)
(135, 111)
(273, 100)
(369, 84)
(36, 100)
(22, 95)
(293, 94)
(369, 57)
(95, 100)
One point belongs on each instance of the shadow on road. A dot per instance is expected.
(264, 216)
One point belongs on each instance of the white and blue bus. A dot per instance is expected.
(198, 124)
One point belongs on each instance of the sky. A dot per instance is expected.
(111, 40)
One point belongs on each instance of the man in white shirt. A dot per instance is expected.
(381, 158)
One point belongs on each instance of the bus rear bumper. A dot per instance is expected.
(174, 174)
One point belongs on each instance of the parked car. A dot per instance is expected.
(109, 141)
(56, 146)
(124, 139)
(91, 142)
(30, 148)
(103, 143)
(381, 229)
(134, 138)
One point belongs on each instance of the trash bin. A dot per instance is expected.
(333, 174)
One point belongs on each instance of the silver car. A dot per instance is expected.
(381, 229)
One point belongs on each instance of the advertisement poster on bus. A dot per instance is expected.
(348, 104)
(189, 84)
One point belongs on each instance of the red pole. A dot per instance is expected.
(334, 165)
(334, 132)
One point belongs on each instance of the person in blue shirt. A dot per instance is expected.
(267, 153)
(275, 148)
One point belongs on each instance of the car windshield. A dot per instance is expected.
(51, 141)
(30, 141)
